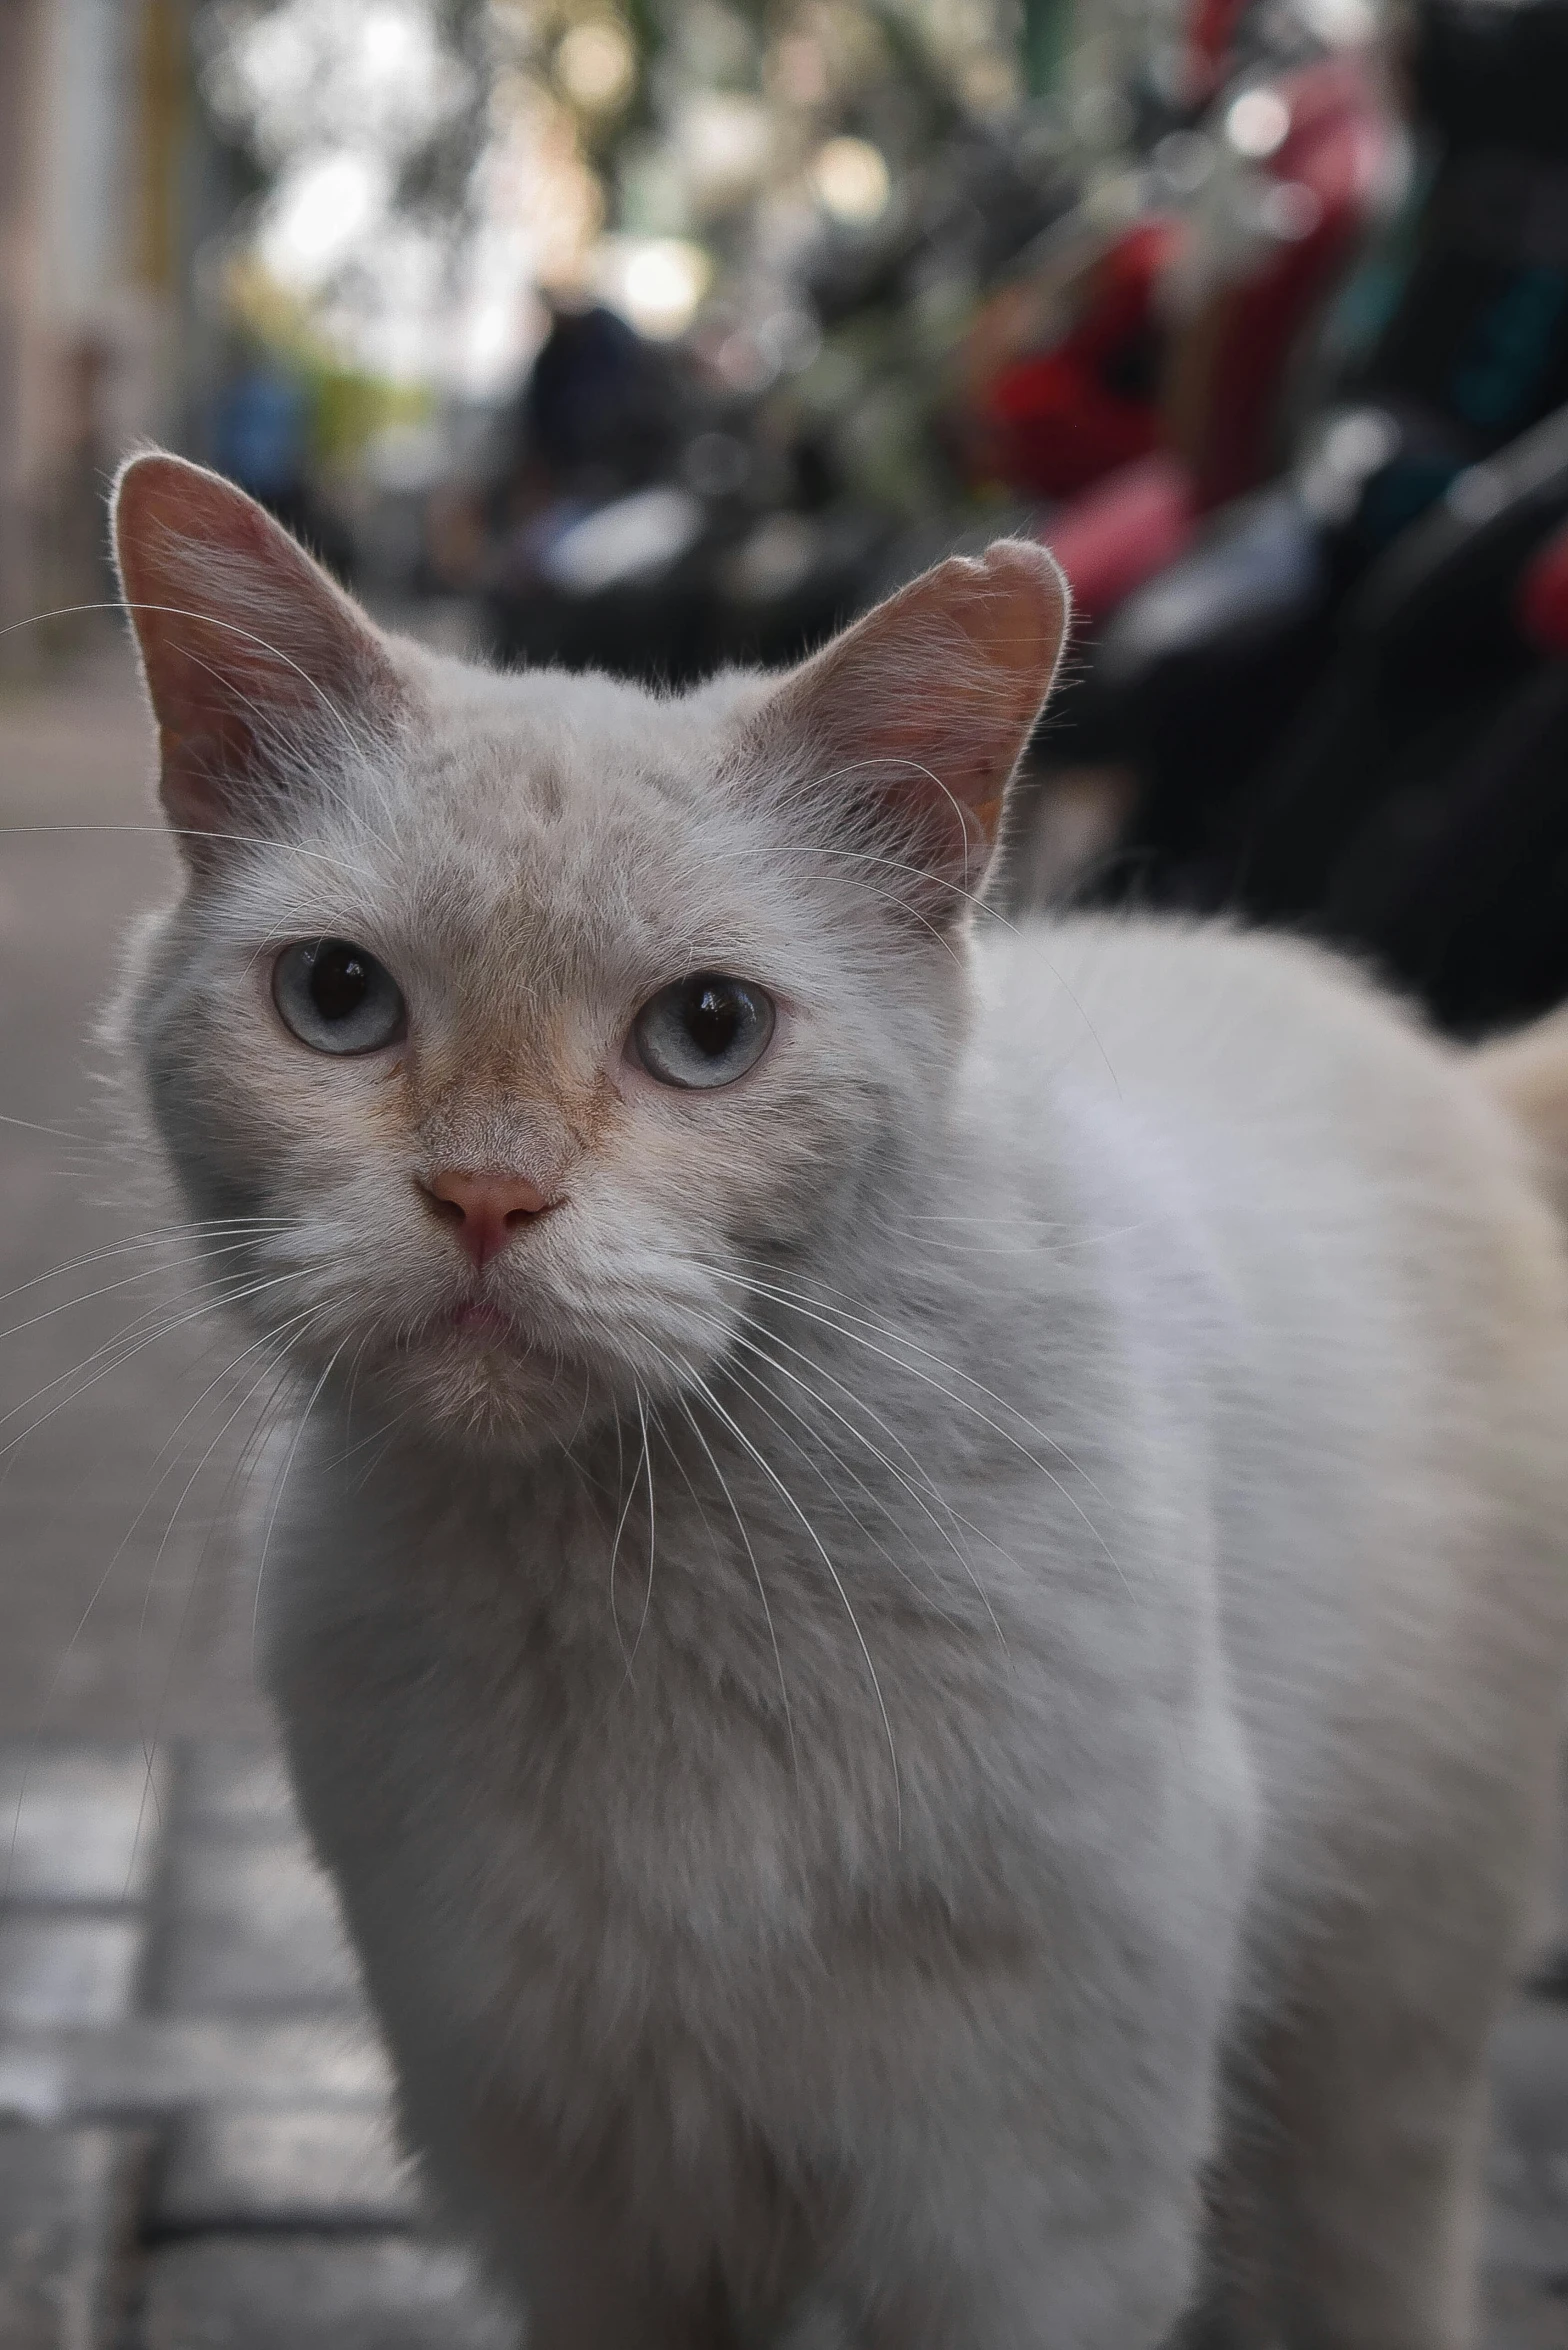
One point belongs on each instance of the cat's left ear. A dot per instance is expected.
(255, 661)
(902, 735)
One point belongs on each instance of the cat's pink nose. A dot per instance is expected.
(485, 1211)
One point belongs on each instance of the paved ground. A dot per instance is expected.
(195, 2143)
(116, 1612)
(195, 2151)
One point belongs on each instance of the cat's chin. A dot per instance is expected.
(476, 1374)
(477, 1381)
(483, 1324)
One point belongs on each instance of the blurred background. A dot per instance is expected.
(656, 334)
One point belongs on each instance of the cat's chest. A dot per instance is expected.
(584, 1839)
(493, 1719)
(578, 1865)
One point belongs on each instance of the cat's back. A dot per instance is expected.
(1202, 1013)
(1369, 1213)
(1270, 1084)
(1383, 1269)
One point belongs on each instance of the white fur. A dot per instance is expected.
(989, 1670)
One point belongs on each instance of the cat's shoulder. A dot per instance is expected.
(1181, 959)
(1160, 986)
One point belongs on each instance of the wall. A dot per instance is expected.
(94, 117)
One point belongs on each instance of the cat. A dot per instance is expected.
(921, 1594)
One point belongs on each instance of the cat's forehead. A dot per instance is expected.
(555, 759)
(566, 819)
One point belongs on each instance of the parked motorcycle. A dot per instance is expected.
(1241, 685)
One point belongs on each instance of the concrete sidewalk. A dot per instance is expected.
(196, 2144)
(123, 1606)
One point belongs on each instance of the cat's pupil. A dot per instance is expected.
(703, 1030)
(339, 978)
(713, 1014)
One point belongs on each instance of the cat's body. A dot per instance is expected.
(1280, 1635)
(1035, 1695)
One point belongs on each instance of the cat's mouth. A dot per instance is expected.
(477, 1318)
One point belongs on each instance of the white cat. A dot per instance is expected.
(922, 1601)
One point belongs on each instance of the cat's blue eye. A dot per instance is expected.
(705, 1030)
(337, 998)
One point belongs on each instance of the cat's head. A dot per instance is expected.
(509, 1024)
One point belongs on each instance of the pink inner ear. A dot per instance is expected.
(918, 714)
(243, 637)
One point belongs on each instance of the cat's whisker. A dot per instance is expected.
(582, 1415)
(776, 1480)
(31, 1126)
(965, 1403)
(200, 1252)
(282, 1373)
(150, 1743)
(277, 1497)
(144, 1329)
(127, 1281)
(757, 1391)
(928, 880)
(353, 1385)
(136, 604)
(62, 1663)
(767, 1612)
(818, 786)
(381, 1436)
(958, 1550)
(901, 1337)
(620, 1528)
(645, 1414)
(748, 1323)
(274, 937)
(290, 1332)
(920, 873)
(673, 1451)
(844, 1330)
(268, 1338)
(732, 1335)
(122, 1350)
(878, 1455)
(259, 1227)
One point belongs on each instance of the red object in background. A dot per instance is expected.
(1233, 355)
(1542, 601)
(1106, 391)
(1120, 533)
(1211, 36)
(1321, 191)
(1055, 420)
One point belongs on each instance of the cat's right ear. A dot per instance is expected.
(253, 658)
